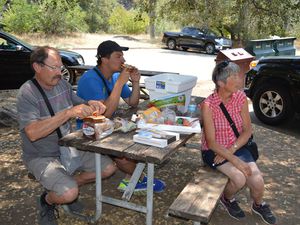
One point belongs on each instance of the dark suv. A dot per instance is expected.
(274, 87)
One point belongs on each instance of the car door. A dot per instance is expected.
(14, 64)
(185, 37)
(199, 39)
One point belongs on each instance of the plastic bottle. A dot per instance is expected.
(192, 108)
(169, 116)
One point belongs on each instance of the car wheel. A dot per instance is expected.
(171, 44)
(272, 104)
(210, 48)
(68, 75)
(184, 48)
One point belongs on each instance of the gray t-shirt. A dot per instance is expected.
(32, 107)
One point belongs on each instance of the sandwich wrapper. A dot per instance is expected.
(97, 130)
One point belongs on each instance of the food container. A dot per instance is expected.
(166, 86)
(194, 126)
(97, 129)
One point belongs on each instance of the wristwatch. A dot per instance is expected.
(235, 146)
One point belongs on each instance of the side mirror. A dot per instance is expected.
(19, 48)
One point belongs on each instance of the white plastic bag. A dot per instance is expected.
(70, 158)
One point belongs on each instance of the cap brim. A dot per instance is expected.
(123, 48)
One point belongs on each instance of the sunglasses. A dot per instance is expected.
(222, 65)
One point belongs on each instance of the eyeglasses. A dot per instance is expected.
(222, 65)
(60, 68)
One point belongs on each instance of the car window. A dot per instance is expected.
(186, 30)
(194, 32)
(210, 32)
(6, 45)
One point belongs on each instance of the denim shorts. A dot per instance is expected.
(209, 155)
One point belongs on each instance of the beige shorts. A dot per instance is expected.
(52, 175)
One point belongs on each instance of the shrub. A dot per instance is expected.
(48, 16)
(128, 22)
(98, 13)
(58, 17)
(21, 17)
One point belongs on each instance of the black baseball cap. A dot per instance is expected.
(108, 47)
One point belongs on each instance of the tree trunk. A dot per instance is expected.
(152, 4)
(4, 8)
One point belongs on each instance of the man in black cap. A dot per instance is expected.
(107, 82)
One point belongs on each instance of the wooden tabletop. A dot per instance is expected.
(121, 145)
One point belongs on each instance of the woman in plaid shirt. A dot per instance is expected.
(223, 151)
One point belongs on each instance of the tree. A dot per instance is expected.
(148, 6)
(127, 21)
(6, 4)
(98, 13)
(241, 19)
(48, 16)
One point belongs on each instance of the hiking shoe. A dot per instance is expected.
(74, 207)
(232, 208)
(48, 214)
(158, 185)
(265, 212)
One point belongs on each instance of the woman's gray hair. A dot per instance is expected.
(223, 70)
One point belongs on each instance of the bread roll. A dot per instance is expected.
(94, 119)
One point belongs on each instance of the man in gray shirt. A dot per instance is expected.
(41, 152)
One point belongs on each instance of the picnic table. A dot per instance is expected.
(122, 145)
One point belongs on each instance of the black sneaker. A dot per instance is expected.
(265, 212)
(74, 207)
(232, 208)
(48, 214)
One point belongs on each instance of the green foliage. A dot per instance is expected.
(239, 19)
(98, 13)
(21, 18)
(128, 22)
(48, 16)
(242, 19)
(58, 17)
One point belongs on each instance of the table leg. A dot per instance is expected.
(150, 177)
(98, 187)
(133, 181)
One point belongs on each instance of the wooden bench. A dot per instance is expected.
(199, 198)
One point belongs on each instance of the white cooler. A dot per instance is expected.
(162, 85)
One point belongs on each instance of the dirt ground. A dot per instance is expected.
(279, 162)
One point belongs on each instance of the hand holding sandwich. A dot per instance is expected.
(93, 107)
(131, 72)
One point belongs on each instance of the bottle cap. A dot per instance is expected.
(192, 108)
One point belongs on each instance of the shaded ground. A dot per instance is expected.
(279, 162)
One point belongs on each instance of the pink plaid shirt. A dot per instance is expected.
(224, 134)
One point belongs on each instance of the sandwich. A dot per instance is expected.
(126, 66)
(96, 126)
(95, 119)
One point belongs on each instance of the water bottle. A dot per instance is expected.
(192, 108)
